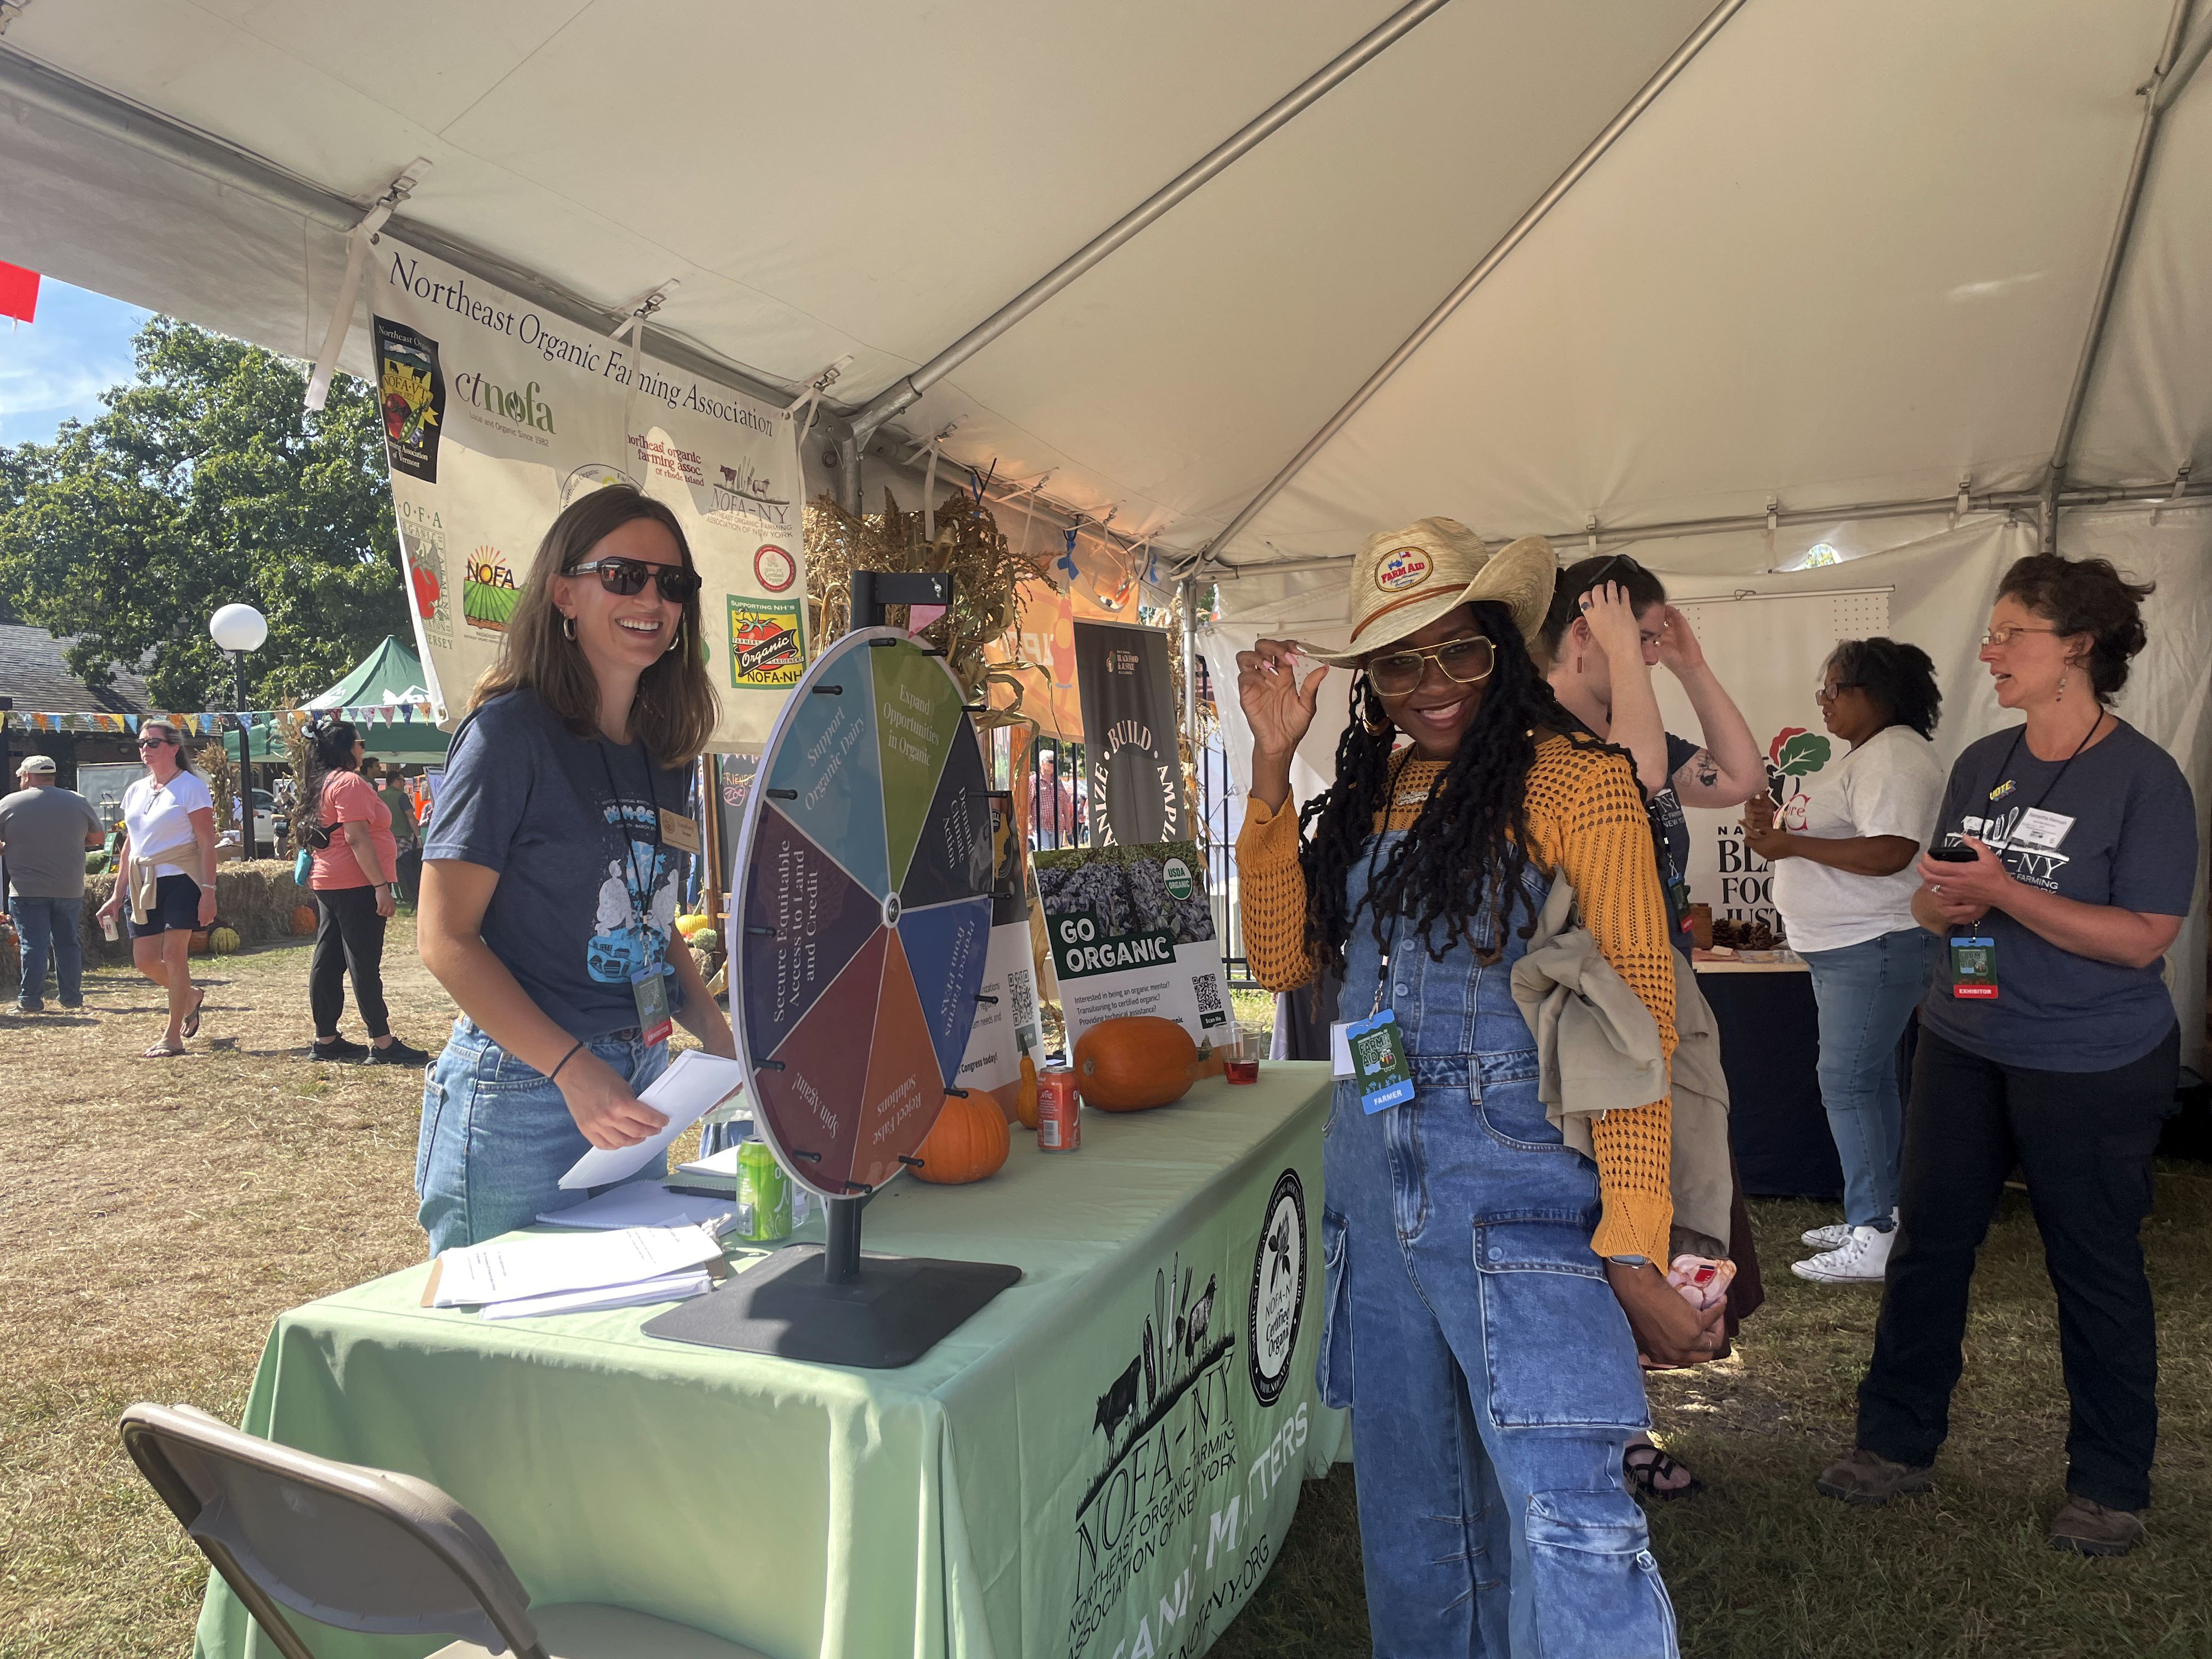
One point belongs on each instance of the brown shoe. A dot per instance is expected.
(2087, 1527)
(1863, 1477)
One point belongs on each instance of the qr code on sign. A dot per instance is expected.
(1208, 989)
(1021, 992)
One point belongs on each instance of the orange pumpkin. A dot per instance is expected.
(1134, 1064)
(967, 1141)
(303, 920)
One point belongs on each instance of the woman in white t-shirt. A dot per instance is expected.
(167, 875)
(1843, 881)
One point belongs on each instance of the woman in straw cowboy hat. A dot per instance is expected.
(1488, 1287)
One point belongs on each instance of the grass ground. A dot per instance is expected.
(161, 1213)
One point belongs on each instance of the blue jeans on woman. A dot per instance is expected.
(47, 925)
(1866, 992)
(497, 1137)
(1493, 1371)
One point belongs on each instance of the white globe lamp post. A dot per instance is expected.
(239, 628)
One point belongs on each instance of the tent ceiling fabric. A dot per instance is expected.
(1845, 256)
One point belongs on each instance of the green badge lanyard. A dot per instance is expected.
(1379, 1067)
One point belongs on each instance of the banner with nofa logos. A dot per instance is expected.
(497, 414)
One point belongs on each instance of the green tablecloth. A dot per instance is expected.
(969, 1504)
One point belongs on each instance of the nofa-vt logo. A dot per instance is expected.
(1403, 568)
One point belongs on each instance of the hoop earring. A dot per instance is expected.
(1373, 706)
(677, 640)
(567, 627)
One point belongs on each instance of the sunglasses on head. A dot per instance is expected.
(628, 576)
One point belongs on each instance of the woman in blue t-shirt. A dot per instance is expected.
(551, 873)
(2047, 1038)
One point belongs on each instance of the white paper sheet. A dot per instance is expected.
(511, 1267)
(694, 1082)
(722, 1164)
(669, 1287)
(643, 1203)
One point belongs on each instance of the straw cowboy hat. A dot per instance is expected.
(1404, 580)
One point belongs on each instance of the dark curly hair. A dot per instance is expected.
(1898, 677)
(1469, 844)
(1644, 590)
(330, 750)
(2085, 596)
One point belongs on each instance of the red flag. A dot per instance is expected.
(19, 292)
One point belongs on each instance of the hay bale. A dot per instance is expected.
(257, 898)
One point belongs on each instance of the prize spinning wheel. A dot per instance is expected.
(862, 911)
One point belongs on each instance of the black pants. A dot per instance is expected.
(349, 939)
(2084, 1140)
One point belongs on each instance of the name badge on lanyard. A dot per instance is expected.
(1379, 1067)
(1973, 968)
(649, 987)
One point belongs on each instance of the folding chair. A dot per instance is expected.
(369, 1549)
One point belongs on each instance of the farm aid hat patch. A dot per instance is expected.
(1404, 580)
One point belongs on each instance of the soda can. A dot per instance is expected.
(1059, 1128)
(764, 1195)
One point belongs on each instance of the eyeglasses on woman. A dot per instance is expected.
(1465, 662)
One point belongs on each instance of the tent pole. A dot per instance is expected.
(2139, 495)
(903, 393)
(2108, 280)
(1505, 245)
(1188, 588)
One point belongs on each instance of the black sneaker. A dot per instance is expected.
(30, 1007)
(396, 1054)
(339, 1049)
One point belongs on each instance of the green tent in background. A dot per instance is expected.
(390, 675)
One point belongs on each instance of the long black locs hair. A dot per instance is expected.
(1470, 842)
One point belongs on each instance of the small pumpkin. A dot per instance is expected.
(1136, 1063)
(969, 1140)
(706, 939)
(687, 925)
(222, 940)
(199, 944)
(303, 921)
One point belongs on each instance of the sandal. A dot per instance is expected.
(192, 1019)
(1643, 1476)
(161, 1051)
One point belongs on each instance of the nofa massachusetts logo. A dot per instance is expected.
(1403, 568)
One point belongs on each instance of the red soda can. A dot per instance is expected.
(1059, 1128)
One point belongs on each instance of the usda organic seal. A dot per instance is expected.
(1279, 1289)
(1177, 874)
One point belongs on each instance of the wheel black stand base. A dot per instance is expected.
(835, 1306)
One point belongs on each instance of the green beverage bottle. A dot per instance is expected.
(764, 1188)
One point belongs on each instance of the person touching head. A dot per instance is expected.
(1461, 793)
(559, 832)
(2062, 860)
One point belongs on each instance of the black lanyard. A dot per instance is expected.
(2006, 765)
(634, 884)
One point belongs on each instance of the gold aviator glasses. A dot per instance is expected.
(1465, 662)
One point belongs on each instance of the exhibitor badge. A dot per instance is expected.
(1277, 1302)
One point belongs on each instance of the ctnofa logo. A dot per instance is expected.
(1403, 568)
(1278, 1303)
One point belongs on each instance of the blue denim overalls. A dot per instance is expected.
(1493, 1372)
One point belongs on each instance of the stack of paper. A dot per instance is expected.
(523, 1277)
(646, 1204)
(694, 1084)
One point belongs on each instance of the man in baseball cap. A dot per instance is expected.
(45, 830)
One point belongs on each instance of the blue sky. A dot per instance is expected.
(55, 369)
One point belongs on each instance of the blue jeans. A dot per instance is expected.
(1866, 992)
(50, 925)
(497, 1137)
(1465, 1317)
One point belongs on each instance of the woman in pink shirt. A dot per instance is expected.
(353, 878)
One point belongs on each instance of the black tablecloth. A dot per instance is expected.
(1770, 1046)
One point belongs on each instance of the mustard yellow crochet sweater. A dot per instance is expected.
(1585, 820)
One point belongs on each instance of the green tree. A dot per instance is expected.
(204, 484)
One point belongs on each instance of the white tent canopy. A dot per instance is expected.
(1245, 282)
(1839, 255)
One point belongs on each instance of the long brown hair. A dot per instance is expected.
(177, 736)
(674, 713)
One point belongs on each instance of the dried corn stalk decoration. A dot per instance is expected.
(220, 772)
(986, 571)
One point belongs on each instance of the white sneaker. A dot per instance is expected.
(1835, 1237)
(1863, 1259)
